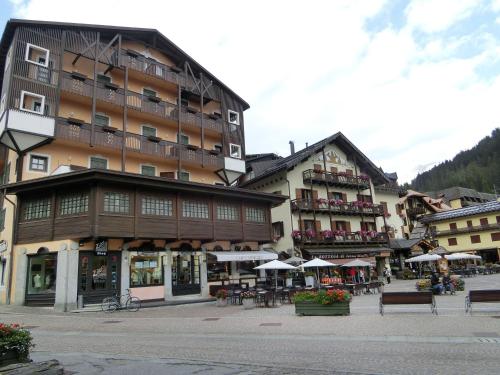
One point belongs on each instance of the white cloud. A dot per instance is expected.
(431, 15)
(495, 5)
(310, 71)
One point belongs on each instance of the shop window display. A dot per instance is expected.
(146, 270)
(42, 274)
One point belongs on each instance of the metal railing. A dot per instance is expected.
(338, 179)
(328, 237)
(337, 207)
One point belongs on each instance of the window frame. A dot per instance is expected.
(179, 139)
(452, 241)
(151, 90)
(104, 75)
(42, 105)
(98, 157)
(47, 164)
(193, 216)
(82, 204)
(102, 114)
(222, 209)
(47, 213)
(475, 238)
(147, 166)
(167, 201)
(185, 173)
(231, 151)
(27, 52)
(149, 127)
(121, 208)
(229, 113)
(249, 219)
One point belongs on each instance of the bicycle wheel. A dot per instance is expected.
(109, 304)
(133, 304)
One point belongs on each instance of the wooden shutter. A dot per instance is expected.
(169, 175)
(334, 169)
(301, 224)
(349, 172)
(317, 167)
(364, 226)
(483, 221)
(317, 227)
(330, 195)
(334, 225)
(398, 208)
(281, 229)
(298, 193)
(384, 206)
(344, 197)
(348, 226)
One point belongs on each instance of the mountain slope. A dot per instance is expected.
(477, 168)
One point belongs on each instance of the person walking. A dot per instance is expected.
(387, 274)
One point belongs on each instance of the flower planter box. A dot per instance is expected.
(9, 357)
(316, 309)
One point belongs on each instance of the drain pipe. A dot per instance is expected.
(11, 263)
(291, 213)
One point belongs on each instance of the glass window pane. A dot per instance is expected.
(38, 163)
(148, 170)
(149, 92)
(99, 272)
(116, 202)
(256, 215)
(148, 131)
(101, 120)
(146, 270)
(37, 209)
(228, 212)
(99, 163)
(74, 204)
(156, 206)
(42, 274)
(195, 210)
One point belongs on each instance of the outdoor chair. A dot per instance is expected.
(236, 297)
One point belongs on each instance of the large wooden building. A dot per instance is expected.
(118, 156)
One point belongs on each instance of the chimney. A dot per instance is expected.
(292, 147)
(307, 144)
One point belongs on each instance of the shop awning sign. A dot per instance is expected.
(101, 247)
(242, 256)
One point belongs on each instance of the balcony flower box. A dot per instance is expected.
(109, 129)
(111, 86)
(15, 344)
(339, 233)
(323, 303)
(75, 121)
(327, 234)
(310, 234)
(154, 99)
(296, 234)
(153, 138)
(78, 76)
(321, 201)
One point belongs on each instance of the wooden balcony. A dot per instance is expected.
(113, 139)
(308, 239)
(335, 207)
(80, 85)
(472, 229)
(413, 212)
(96, 220)
(335, 179)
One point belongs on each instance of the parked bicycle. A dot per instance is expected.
(111, 304)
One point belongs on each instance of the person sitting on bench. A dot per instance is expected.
(447, 284)
(437, 287)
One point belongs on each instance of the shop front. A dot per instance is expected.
(41, 278)
(98, 275)
(146, 274)
(186, 272)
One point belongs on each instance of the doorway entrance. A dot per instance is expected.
(41, 279)
(98, 275)
(186, 273)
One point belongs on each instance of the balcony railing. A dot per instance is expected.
(472, 229)
(81, 85)
(338, 207)
(336, 179)
(339, 238)
(113, 138)
(415, 211)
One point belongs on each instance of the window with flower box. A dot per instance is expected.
(37, 209)
(255, 214)
(73, 204)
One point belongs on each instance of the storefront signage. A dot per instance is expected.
(101, 247)
(347, 255)
(3, 246)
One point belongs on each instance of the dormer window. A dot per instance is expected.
(37, 55)
(233, 117)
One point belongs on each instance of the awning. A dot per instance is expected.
(241, 256)
(341, 262)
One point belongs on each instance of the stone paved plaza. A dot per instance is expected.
(205, 339)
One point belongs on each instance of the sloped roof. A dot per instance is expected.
(436, 205)
(419, 231)
(341, 140)
(457, 192)
(150, 36)
(249, 158)
(462, 212)
(400, 243)
(392, 176)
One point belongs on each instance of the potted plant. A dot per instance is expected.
(15, 344)
(327, 234)
(248, 299)
(221, 296)
(296, 234)
(310, 234)
(325, 302)
(309, 278)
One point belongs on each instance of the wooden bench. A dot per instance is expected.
(407, 298)
(483, 295)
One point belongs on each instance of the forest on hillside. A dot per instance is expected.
(477, 168)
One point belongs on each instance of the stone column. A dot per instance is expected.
(20, 276)
(402, 260)
(67, 277)
(167, 274)
(205, 290)
(125, 270)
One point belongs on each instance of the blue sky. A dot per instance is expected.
(410, 82)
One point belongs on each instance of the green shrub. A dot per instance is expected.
(323, 297)
(13, 337)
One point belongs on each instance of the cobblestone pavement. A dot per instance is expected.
(204, 339)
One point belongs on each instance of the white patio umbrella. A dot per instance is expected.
(294, 260)
(357, 263)
(461, 256)
(423, 258)
(316, 262)
(275, 265)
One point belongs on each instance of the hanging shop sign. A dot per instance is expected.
(101, 247)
